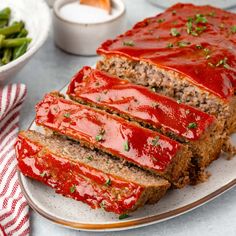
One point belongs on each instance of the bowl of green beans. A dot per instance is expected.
(24, 27)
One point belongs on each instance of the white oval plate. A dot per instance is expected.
(74, 214)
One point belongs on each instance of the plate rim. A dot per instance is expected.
(128, 224)
(123, 225)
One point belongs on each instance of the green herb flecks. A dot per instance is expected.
(174, 32)
(179, 101)
(126, 146)
(212, 14)
(67, 115)
(200, 18)
(223, 62)
(170, 45)
(183, 44)
(72, 188)
(108, 182)
(192, 125)
(103, 204)
(43, 174)
(160, 20)
(233, 29)
(155, 141)
(90, 158)
(123, 216)
(100, 135)
(198, 46)
(128, 43)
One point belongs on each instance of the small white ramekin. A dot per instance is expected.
(84, 39)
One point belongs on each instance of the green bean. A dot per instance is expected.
(19, 51)
(14, 28)
(5, 13)
(7, 55)
(12, 43)
(2, 37)
(23, 33)
(3, 23)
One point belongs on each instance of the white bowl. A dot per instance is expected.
(36, 15)
(84, 38)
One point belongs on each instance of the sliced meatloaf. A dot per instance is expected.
(116, 136)
(188, 52)
(196, 129)
(86, 175)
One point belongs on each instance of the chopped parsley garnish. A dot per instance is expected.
(183, 44)
(108, 182)
(187, 111)
(233, 29)
(189, 25)
(174, 32)
(210, 64)
(153, 89)
(43, 174)
(126, 146)
(179, 101)
(67, 115)
(198, 46)
(192, 125)
(170, 45)
(102, 204)
(155, 141)
(200, 29)
(72, 188)
(155, 105)
(223, 62)
(160, 20)
(90, 158)
(123, 216)
(99, 137)
(200, 18)
(212, 14)
(222, 26)
(128, 43)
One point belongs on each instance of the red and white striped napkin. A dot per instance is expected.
(14, 211)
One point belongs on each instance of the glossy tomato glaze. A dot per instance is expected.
(76, 180)
(110, 133)
(201, 47)
(135, 101)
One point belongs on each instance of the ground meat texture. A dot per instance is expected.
(116, 136)
(166, 116)
(87, 175)
(172, 84)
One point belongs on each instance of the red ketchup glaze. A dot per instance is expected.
(107, 132)
(138, 102)
(201, 47)
(75, 180)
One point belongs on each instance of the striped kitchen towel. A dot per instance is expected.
(14, 211)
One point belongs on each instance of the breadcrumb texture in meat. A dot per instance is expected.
(87, 175)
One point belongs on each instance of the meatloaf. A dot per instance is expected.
(86, 175)
(116, 136)
(188, 52)
(196, 129)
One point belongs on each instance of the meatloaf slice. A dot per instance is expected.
(86, 175)
(188, 52)
(196, 129)
(114, 135)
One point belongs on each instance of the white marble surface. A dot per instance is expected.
(50, 70)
